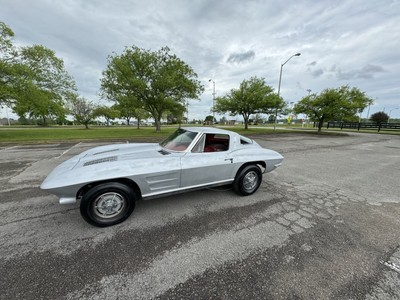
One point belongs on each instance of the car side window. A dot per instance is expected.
(216, 142)
(245, 140)
(212, 143)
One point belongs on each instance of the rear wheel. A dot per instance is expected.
(248, 180)
(108, 204)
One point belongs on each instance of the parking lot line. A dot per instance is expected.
(66, 151)
(8, 148)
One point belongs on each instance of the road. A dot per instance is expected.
(325, 225)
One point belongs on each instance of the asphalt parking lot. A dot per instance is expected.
(325, 225)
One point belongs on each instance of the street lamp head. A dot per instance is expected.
(297, 54)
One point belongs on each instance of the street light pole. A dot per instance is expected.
(279, 85)
(187, 111)
(390, 113)
(369, 106)
(8, 119)
(213, 99)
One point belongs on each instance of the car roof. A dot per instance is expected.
(208, 130)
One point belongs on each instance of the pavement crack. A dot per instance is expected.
(37, 217)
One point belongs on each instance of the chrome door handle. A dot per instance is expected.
(231, 159)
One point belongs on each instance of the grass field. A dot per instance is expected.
(69, 133)
(20, 134)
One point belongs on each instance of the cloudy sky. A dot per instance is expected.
(342, 42)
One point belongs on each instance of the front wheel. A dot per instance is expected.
(107, 204)
(248, 180)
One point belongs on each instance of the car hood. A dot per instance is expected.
(106, 162)
(118, 152)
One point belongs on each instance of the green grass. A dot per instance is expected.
(29, 134)
(73, 133)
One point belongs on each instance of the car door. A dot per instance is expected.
(200, 167)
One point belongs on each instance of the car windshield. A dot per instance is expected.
(179, 140)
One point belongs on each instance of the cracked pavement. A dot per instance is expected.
(325, 225)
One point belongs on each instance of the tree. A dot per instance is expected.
(223, 121)
(258, 119)
(176, 114)
(10, 69)
(379, 117)
(109, 113)
(209, 120)
(338, 104)
(6, 36)
(126, 108)
(130, 107)
(159, 80)
(46, 85)
(33, 80)
(252, 97)
(37, 103)
(271, 118)
(140, 114)
(82, 110)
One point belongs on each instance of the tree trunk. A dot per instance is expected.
(246, 122)
(138, 123)
(320, 123)
(158, 125)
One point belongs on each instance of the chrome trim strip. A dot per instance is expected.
(185, 189)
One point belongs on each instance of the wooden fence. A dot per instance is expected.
(358, 125)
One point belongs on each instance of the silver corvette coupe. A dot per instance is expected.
(109, 179)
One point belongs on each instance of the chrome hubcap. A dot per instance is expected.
(250, 181)
(109, 205)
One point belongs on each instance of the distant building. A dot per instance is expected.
(4, 121)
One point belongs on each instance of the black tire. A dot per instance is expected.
(247, 180)
(107, 204)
